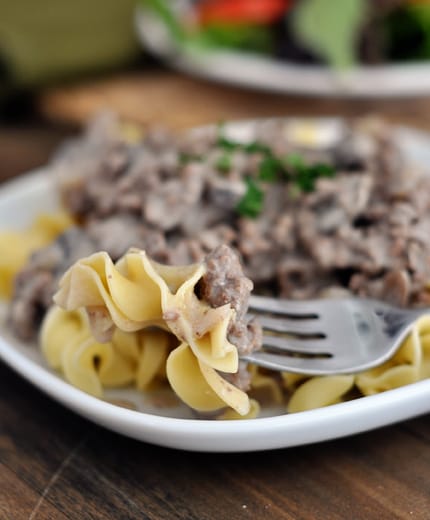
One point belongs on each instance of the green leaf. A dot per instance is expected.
(251, 204)
(270, 168)
(185, 158)
(223, 163)
(323, 170)
(295, 160)
(305, 180)
(164, 10)
(244, 37)
(421, 13)
(305, 175)
(227, 144)
(330, 28)
(407, 32)
(255, 147)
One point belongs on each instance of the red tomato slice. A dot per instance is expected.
(241, 11)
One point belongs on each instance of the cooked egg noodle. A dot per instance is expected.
(132, 309)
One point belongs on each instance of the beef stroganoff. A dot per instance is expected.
(310, 210)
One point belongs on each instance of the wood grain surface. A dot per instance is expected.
(180, 102)
(56, 465)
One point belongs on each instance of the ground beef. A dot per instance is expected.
(241, 378)
(224, 282)
(37, 282)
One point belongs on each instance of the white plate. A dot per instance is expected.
(260, 72)
(172, 424)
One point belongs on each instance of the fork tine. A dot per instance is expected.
(355, 335)
(299, 365)
(288, 307)
(297, 346)
(301, 327)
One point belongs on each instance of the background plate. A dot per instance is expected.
(260, 72)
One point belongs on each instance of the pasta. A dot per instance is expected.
(137, 321)
(123, 302)
(265, 386)
(143, 323)
(16, 246)
(145, 355)
(91, 365)
(411, 363)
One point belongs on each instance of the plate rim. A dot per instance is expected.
(244, 435)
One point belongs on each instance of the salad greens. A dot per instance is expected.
(330, 28)
(217, 35)
(407, 32)
(165, 12)
(341, 33)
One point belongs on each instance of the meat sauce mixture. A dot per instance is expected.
(310, 217)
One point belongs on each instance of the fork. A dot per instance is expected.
(332, 336)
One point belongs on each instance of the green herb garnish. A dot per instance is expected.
(256, 147)
(292, 168)
(270, 169)
(223, 163)
(251, 204)
(185, 158)
(304, 175)
(252, 147)
(228, 144)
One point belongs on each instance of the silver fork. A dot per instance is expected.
(332, 336)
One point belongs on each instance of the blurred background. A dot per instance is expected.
(183, 63)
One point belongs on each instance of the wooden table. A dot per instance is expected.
(55, 465)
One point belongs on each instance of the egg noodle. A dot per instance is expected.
(140, 322)
(147, 319)
(17, 246)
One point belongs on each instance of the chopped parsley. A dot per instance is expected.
(223, 163)
(228, 144)
(251, 204)
(185, 158)
(252, 147)
(291, 169)
(305, 175)
(270, 169)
